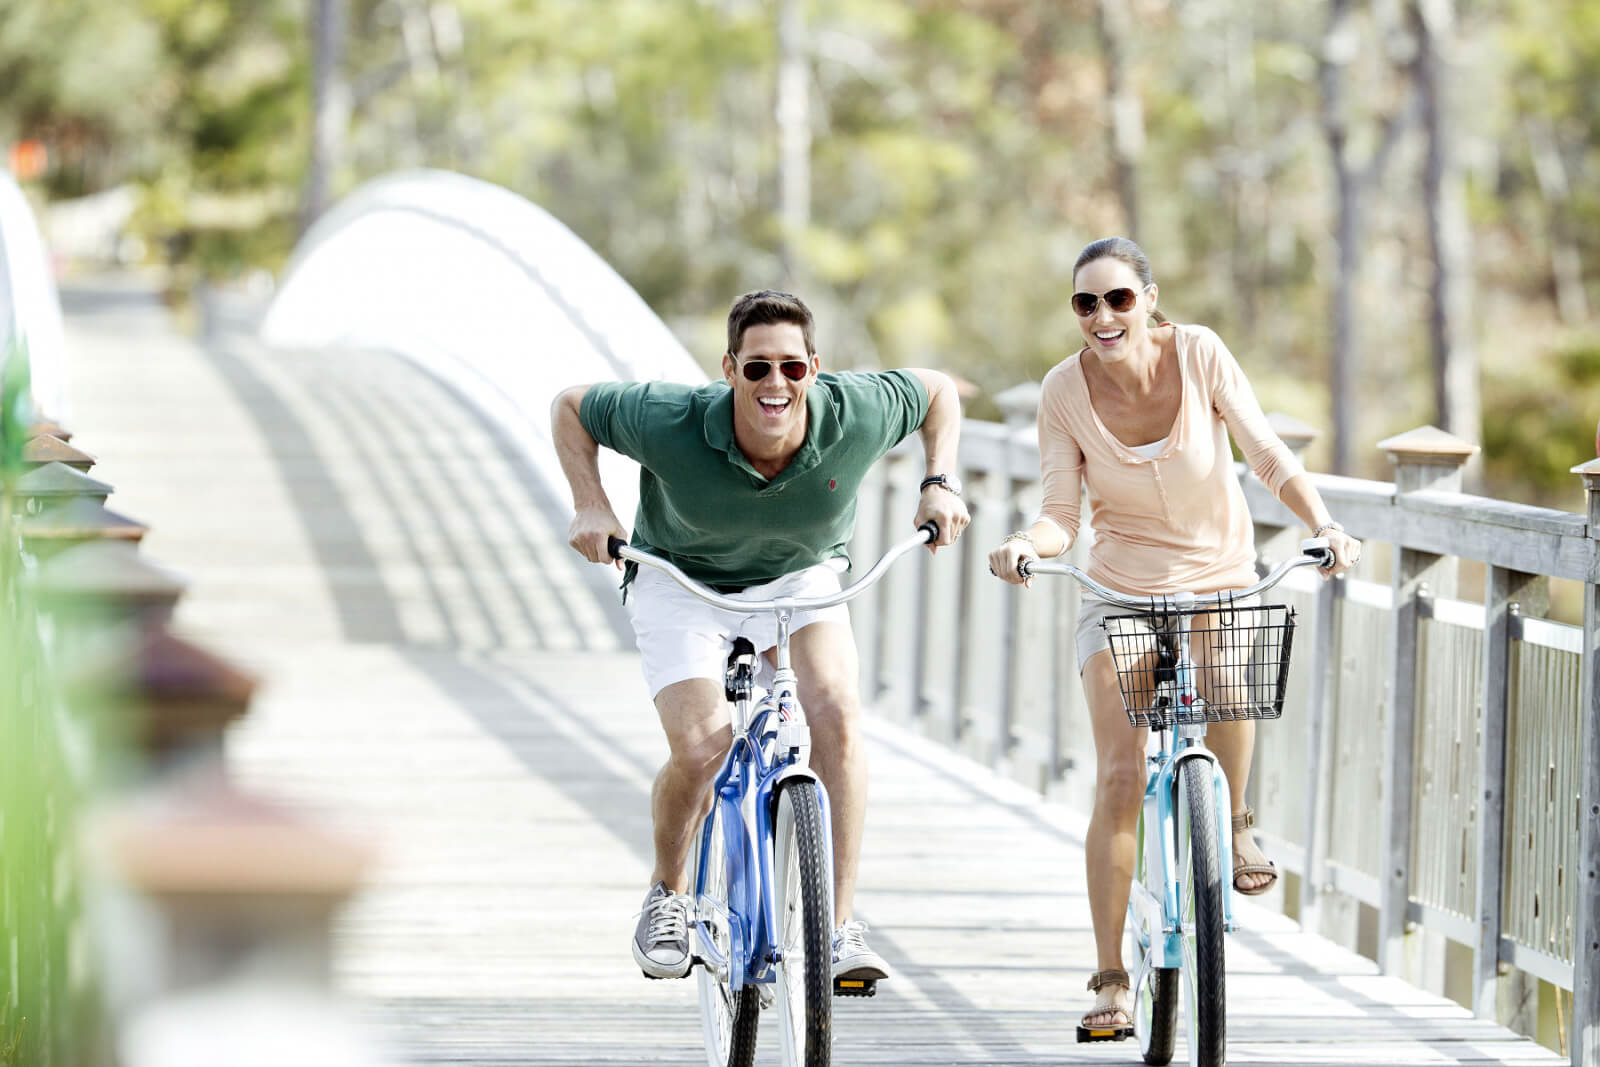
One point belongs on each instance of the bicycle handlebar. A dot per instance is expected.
(926, 534)
(1315, 551)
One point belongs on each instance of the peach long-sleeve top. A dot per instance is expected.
(1177, 522)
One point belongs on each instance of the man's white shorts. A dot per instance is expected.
(681, 636)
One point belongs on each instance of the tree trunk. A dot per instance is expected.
(1127, 114)
(794, 132)
(330, 107)
(1455, 357)
(1353, 185)
(1566, 267)
(1342, 371)
(1336, 52)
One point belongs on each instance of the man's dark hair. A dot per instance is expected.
(768, 307)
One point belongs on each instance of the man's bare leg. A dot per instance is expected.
(824, 656)
(694, 715)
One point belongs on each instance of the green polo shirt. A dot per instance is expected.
(705, 508)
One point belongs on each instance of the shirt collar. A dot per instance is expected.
(823, 430)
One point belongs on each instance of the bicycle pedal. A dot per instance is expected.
(855, 987)
(1087, 1034)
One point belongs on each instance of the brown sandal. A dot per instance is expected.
(1243, 821)
(1116, 1031)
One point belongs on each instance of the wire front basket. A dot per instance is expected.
(1241, 663)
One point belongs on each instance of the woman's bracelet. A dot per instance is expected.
(1325, 527)
(1020, 535)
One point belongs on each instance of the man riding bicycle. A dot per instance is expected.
(749, 485)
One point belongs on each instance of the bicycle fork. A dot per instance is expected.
(1161, 848)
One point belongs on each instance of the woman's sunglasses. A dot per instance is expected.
(756, 370)
(1116, 299)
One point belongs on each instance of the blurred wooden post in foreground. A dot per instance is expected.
(217, 912)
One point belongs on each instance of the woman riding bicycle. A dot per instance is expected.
(1141, 417)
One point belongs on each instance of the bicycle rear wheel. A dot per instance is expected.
(803, 898)
(1200, 906)
(1155, 989)
(728, 1019)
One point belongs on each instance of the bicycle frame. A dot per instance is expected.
(764, 754)
(752, 950)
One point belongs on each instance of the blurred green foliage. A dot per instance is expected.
(49, 1010)
(961, 156)
(1542, 423)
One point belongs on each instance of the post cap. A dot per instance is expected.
(110, 573)
(1020, 403)
(174, 693)
(1429, 446)
(1292, 432)
(57, 480)
(51, 427)
(206, 838)
(81, 518)
(46, 449)
(1590, 471)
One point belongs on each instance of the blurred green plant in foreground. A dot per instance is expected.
(49, 1014)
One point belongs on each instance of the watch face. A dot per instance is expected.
(952, 483)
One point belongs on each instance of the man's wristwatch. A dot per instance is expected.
(943, 481)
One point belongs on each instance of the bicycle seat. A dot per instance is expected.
(740, 677)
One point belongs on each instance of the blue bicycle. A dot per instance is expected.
(763, 881)
(1183, 661)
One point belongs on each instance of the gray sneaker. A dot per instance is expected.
(661, 940)
(851, 956)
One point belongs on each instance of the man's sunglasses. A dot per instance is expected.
(1116, 299)
(756, 370)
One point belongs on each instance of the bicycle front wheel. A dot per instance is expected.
(1200, 906)
(728, 1019)
(800, 873)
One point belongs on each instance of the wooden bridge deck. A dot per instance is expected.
(442, 678)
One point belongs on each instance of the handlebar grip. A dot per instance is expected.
(931, 529)
(1318, 549)
(614, 547)
(1023, 568)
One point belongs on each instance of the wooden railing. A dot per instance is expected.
(1433, 787)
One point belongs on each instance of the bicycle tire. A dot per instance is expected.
(729, 1020)
(1155, 1019)
(803, 899)
(1201, 907)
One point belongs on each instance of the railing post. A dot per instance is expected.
(1425, 458)
(1319, 770)
(868, 544)
(1505, 593)
(898, 598)
(1020, 406)
(1585, 1043)
(982, 713)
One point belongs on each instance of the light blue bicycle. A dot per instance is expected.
(763, 880)
(1182, 661)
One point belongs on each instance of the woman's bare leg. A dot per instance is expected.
(1110, 846)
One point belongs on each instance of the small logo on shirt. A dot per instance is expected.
(832, 484)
